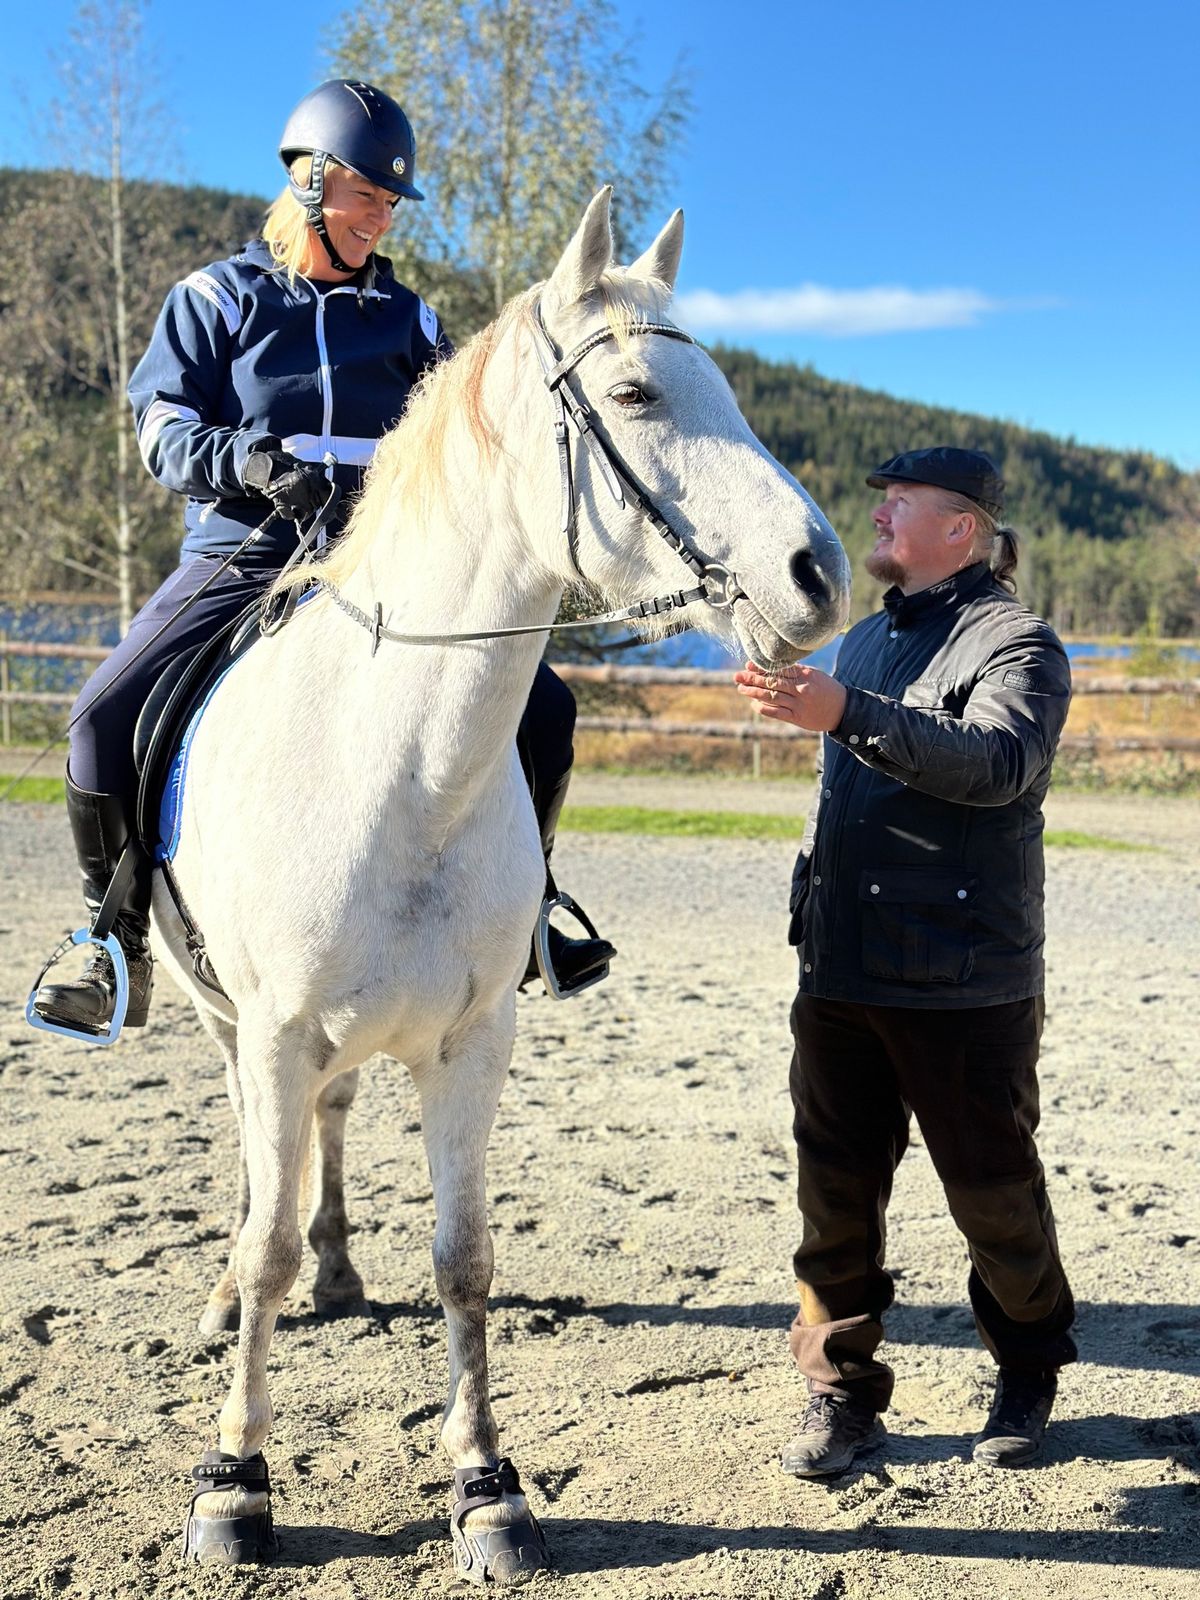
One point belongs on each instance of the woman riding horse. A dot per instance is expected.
(268, 381)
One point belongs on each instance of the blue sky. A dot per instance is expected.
(986, 207)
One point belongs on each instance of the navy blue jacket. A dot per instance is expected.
(920, 879)
(240, 357)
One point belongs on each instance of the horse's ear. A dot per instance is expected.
(661, 261)
(587, 256)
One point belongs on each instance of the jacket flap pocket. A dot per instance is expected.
(917, 886)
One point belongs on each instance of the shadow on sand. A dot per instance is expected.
(582, 1545)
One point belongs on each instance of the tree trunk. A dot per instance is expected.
(124, 533)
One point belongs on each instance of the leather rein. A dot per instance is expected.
(717, 586)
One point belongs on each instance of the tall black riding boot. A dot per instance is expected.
(577, 963)
(100, 829)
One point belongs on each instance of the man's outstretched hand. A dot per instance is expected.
(800, 695)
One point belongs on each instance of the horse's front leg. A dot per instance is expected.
(495, 1535)
(338, 1286)
(223, 1310)
(279, 1073)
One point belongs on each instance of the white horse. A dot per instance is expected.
(358, 842)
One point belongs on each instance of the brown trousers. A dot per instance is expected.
(859, 1072)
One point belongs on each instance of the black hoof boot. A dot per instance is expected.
(230, 1541)
(509, 1555)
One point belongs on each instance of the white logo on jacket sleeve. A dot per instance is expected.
(204, 283)
(429, 322)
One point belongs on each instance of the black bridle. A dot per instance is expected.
(717, 586)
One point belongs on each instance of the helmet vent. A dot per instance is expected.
(366, 97)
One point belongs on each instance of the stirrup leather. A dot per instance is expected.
(559, 901)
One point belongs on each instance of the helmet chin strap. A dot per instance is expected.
(313, 201)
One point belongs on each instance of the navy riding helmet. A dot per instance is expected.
(359, 127)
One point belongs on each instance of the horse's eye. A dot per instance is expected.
(628, 394)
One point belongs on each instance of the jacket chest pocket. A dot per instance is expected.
(916, 924)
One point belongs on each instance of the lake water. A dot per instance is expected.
(698, 650)
(96, 623)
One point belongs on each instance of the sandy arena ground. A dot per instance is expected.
(641, 1181)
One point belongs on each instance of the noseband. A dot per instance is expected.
(717, 586)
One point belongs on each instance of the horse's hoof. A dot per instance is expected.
(221, 1316)
(332, 1306)
(230, 1541)
(500, 1555)
(341, 1295)
(506, 1555)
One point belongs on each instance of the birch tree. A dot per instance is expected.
(86, 235)
(522, 109)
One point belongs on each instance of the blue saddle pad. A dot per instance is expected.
(168, 771)
(170, 810)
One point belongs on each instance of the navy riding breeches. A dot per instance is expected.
(101, 741)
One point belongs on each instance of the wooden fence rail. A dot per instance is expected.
(754, 733)
(634, 677)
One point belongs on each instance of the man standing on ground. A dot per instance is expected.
(917, 911)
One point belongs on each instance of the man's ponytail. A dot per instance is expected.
(1005, 554)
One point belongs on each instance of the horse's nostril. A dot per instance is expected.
(808, 576)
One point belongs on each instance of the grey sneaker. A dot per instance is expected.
(834, 1431)
(1016, 1424)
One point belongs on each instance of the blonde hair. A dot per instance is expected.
(995, 542)
(286, 228)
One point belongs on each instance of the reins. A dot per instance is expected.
(717, 586)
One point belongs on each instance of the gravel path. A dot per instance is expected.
(641, 1185)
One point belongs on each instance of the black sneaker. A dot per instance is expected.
(834, 1431)
(1016, 1424)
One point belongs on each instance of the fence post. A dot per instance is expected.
(5, 708)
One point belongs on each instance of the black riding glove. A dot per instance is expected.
(297, 489)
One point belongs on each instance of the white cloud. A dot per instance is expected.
(839, 313)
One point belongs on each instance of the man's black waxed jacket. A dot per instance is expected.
(920, 879)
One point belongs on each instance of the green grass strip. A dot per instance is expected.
(754, 825)
(1072, 839)
(658, 824)
(681, 824)
(51, 791)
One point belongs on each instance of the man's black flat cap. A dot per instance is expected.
(968, 472)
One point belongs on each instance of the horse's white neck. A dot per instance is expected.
(463, 560)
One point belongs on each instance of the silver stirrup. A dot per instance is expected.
(541, 947)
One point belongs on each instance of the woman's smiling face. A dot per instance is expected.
(357, 215)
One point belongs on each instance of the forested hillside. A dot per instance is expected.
(1112, 538)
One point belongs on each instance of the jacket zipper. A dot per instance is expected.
(324, 371)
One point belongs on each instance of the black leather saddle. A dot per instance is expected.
(170, 706)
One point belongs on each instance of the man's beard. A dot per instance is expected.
(886, 569)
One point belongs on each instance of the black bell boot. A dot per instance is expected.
(575, 964)
(100, 829)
